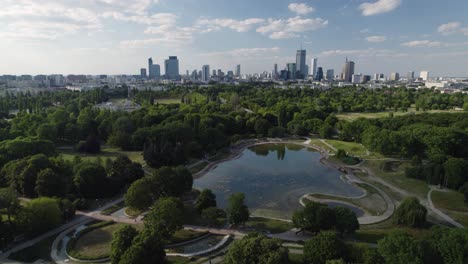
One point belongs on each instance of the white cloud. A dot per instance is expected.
(449, 28)
(158, 18)
(376, 39)
(431, 44)
(280, 28)
(364, 53)
(237, 25)
(379, 7)
(300, 8)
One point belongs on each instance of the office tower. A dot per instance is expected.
(330, 75)
(187, 73)
(155, 71)
(348, 71)
(424, 75)
(356, 78)
(283, 75)
(366, 78)
(220, 73)
(275, 71)
(410, 76)
(194, 75)
(150, 64)
(319, 76)
(394, 76)
(230, 74)
(205, 73)
(143, 73)
(172, 68)
(313, 67)
(301, 64)
(291, 67)
(238, 71)
(214, 72)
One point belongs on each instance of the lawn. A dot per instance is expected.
(352, 148)
(96, 243)
(167, 100)
(296, 258)
(374, 235)
(40, 250)
(185, 235)
(271, 225)
(106, 152)
(354, 116)
(449, 200)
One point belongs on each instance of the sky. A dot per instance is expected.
(118, 36)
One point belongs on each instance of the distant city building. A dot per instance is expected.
(301, 64)
(283, 75)
(172, 68)
(275, 71)
(378, 76)
(155, 71)
(143, 73)
(424, 75)
(205, 73)
(313, 67)
(330, 74)
(319, 76)
(238, 71)
(410, 76)
(366, 78)
(394, 76)
(356, 78)
(214, 72)
(348, 71)
(230, 74)
(291, 68)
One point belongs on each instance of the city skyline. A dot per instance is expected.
(113, 37)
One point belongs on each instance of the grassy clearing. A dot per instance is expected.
(449, 200)
(461, 218)
(375, 234)
(183, 235)
(296, 258)
(105, 153)
(40, 250)
(397, 177)
(411, 111)
(318, 143)
(271, 225)
(96, 243)
(167, 101)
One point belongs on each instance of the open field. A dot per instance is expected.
(96, 244)
(106, 152)
(271, 225)
(449, 200)
(411, 111)
(167, 100)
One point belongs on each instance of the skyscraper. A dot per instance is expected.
(313, 68)
(275, 72)
(150, 64)
(330, 75)
(348, 71)
(410, 76)
(301, 64)
(319, 74)
(238, 71)
(395, 76)
(291, 71)
(205, 73)
(424, 75)
(172, 68)
(155, 71)
(143, 73)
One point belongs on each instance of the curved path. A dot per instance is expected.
(440, 213)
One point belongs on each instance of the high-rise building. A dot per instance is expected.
(410, 76)
(319, 75)
(275, 72)
(150, 64)
(172, 68)
(348, 71)
(313, 68)
(330, 75)
(291, 67)
(394, 76)
(238, 71)
(214, 72)
(301, 64)
(356, 78)
(230, 74)
(155, 71)
(424, 75)
(205, 73)
(143, 73)
(366, 78)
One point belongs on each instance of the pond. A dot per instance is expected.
(273, 178)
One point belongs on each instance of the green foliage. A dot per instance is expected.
(165, 216)
(257, 248)
(40, 215)
(237, 211)
(139, 195)
(205, 200)
(456, 172)
(9, 202)
(400, 248)
(322, 247)
(410, 213)
(121, 241)
(174, 181)
(146, 248)
(91, 180)
(346, 220)
(451, 244)
(464, 191)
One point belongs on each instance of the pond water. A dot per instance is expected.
(197, 246)
(273, 178)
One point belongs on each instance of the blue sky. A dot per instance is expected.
(117, 36)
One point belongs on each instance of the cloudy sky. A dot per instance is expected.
(117, 36)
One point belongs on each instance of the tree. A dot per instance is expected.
(464, 191)
(166, 216)
(49, 183)
(257, 248)
(90, 179)
(451, 244)
(314, 217)
(400, 248)
(67, 208)
(410, 213)
(335, 261)
(322, 247)
(237, 211)
(211, 215)
(205, 200)
(456, 171)
(146, 248)
(91, 145)
(123, 171)
(40, 215)
(121, 241)
(9, 201)
(174, 181)
(139, 195)
(346, 220)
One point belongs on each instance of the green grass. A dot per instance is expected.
(449, 200)
(105, 153)
(373, 235)
(133, 212)
(183, 235)
(167, 100)
(354, 116)
(296, 259)
(271, 225)
(352, 148)
(112, 209)
(316, 142)
(40, 250)
(461, 218)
